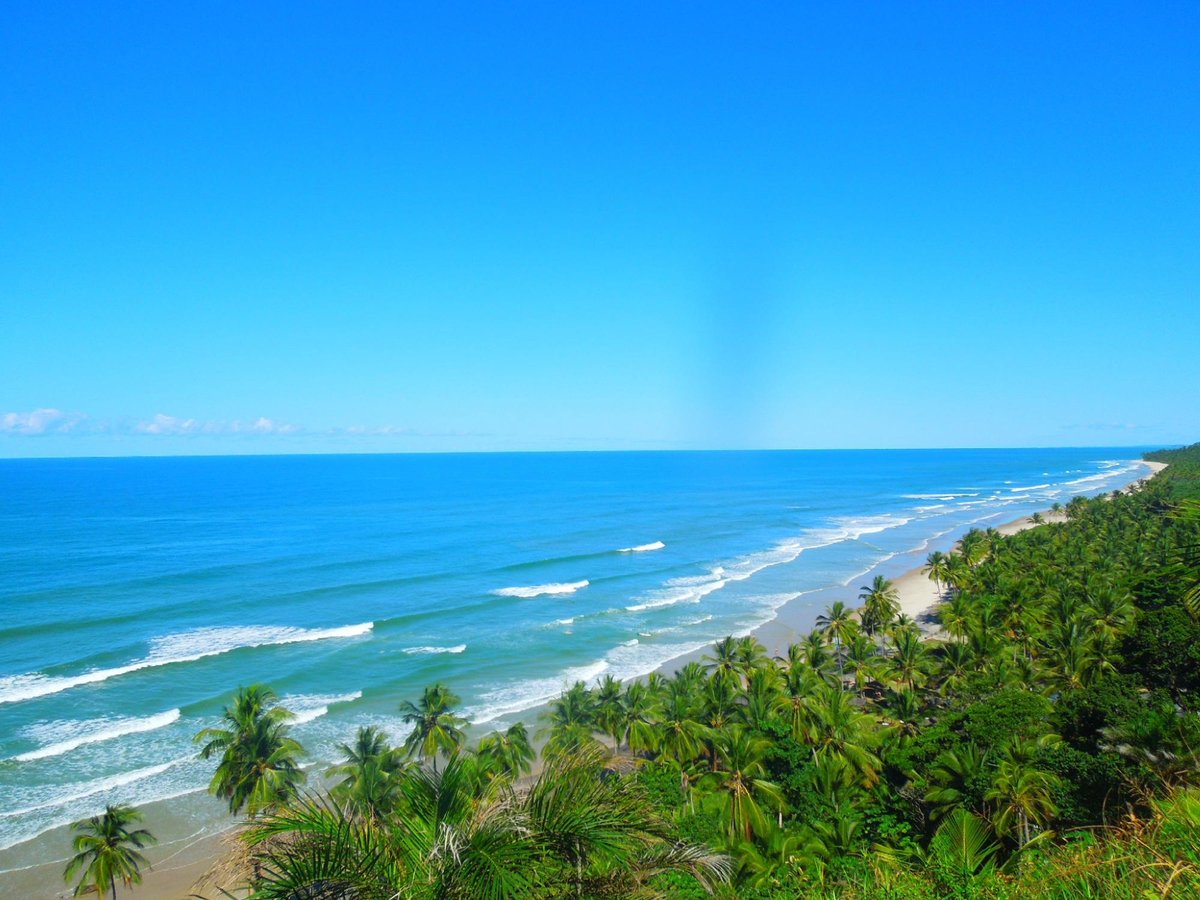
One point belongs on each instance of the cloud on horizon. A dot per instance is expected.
(41, 421)
(48, 421)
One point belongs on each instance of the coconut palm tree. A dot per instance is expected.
(638, 710)
(835, 726)
(837, 623)
(956, 776)
(723, 662)
(436, 729)
(609, 710)
(508, 752)
(909, 662)
(1021, 800)
(681, 734)
(740, 786)
(750, 655)
(106, 851)
(570, 720)
(937, 567)
(880, 603)
(368, 775)
(259, 767)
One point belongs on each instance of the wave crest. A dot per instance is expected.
(539, 590)
(109, 729)
(422, 650)
(643, 548)
(187, 646)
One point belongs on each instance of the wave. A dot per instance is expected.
(624, 662)
(538, 590)
(1031, 487)
(82, 790)
(307, 707)
(422, 650)
(568, 621)
(693, 589)
(110, 729)
(531, 692)
(643, 548)
(187, 646)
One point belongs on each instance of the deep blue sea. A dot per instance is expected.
(139, 593)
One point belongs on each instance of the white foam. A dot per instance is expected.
(532, 692)
(99, 730)
(1032, 487)
(81, 790)
(187, 646)
(456, 649)
(309, 707)
(570, 621)
(538, 590)
(643, 548)
(632, 642)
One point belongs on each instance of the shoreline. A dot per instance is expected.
(186, 866)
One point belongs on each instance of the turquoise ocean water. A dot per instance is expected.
(138, 593)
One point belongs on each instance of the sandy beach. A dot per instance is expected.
(179, 868)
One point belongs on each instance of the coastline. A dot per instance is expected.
(178, 873)
(917, 595)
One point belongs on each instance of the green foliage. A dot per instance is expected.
(106, 851)
(1164, 650)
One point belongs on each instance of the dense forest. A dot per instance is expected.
(1038, 739)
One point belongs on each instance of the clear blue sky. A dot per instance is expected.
(297, 227)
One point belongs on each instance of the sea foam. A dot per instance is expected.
(423, 650)
(96, 731)
(187, 646)
(643, 548)
(82, 790)
(309, 707)
(539, 590)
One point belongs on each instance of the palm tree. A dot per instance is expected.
(880, 603)
(1021, 798)
(863, 656)
(368, 775)
(724, 662)
(609, 709)
(741, 789)
(750, 655)
(910, 660)
(508, 752)
(835, 726)
(107, 850)
(571, 720)
(637, 718)
(681, 735)
(837, 623)
(720, 710)
(937, 566)
(259, 766)
(435, 726)
(957, 776)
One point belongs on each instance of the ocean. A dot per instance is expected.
(138, 594)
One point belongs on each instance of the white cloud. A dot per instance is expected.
(40, 421)
(163, 424)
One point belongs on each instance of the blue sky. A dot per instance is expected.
(352, 227)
